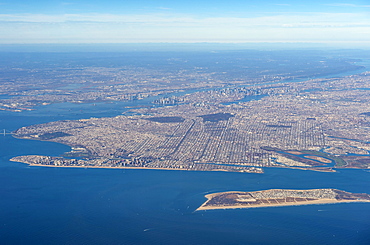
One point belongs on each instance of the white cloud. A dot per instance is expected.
(306, 20)
(348, 5)
(164, 8)
(160, 27)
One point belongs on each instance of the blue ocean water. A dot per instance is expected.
(41, 205)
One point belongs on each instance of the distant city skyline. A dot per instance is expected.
(144, 21)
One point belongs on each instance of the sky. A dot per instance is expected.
(190, 21)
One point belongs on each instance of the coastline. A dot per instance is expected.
(324, 170)
(107, 167)
(240, 205)
(315, 202)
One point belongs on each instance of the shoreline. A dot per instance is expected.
(265, 200)
(182, 169)
(133, 168)
(331, 170)
(315, 202)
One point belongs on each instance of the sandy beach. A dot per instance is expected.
(315, 202)
(279, 198)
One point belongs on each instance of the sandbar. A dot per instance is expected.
(279, 197)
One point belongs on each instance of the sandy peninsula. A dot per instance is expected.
(279, 197)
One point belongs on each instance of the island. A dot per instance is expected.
(279, 197)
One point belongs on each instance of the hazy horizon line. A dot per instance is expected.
(173, 46)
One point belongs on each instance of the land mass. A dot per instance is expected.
(279, 197)
(318, 125)
(132, 76)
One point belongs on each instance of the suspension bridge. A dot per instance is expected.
(5, 132)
